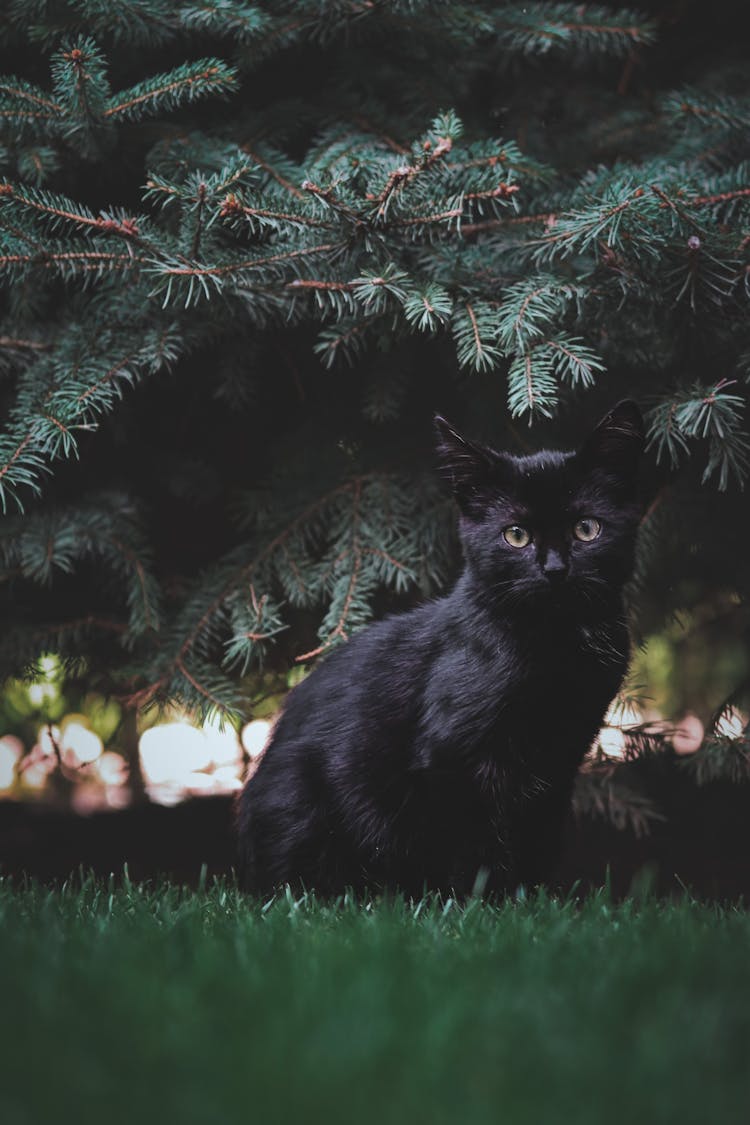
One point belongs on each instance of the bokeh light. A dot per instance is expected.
(688, 735)
(37, 767)
(112, 768)
(79, 745)
(732, 723)
(612, 739)
(47, 739)
(11, 749)
(172, 751)
(180, 760)
(256, 735)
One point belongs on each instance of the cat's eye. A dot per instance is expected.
(516, 536)
(587, 529)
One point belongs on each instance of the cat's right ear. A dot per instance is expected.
(469, 467)
(618, 440)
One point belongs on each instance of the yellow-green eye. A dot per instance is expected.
(516, 536)
(587, 529)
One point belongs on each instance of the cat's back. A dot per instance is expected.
(373, 680)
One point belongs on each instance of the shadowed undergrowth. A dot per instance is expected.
(136, 1003)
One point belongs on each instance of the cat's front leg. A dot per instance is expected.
(537, 836)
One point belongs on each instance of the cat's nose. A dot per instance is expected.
(555, 568)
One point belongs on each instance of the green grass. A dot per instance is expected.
(140, 1004)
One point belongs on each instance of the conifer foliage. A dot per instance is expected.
(248, 249)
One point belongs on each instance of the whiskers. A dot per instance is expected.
(599, 640)
(602, 625)
(509, 592)
(586, 598)
(595, 592)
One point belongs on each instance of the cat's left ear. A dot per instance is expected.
(617, 442)
(469, 467)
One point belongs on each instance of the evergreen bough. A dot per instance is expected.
(241, 284)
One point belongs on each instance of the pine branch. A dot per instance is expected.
(15, 344)
(81, 86)
(241, 22)
(106, 528)
(70, 264)
(345, 340)
(46, 421)
(538, 29)
(188, 282)
(574, 362)
(530, 307)
(232, 207)
(17, 90)
(429, 308)
(475, 332)
(721, 759)
(599, 794)
(27, 107)
(344, 573)
(710, 415)
(532, 387)
(707, 111)
(57, 209)
(169, 91)
(256, 155)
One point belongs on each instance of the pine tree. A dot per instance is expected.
(237, 287)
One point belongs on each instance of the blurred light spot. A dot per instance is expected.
(46, 689)
(731, 724)
(200, 782)
(228, 777)
(86, 799)
(612, 738)
(223, 743)
(48, 737)
(688, 735)
(11, 749)
(256, 735)
(117, 797)
(613, 742)
(180, 760)
(39, 694)
(79, 744)
(35, 774)
(622, 714)
(172, 751)
(112, 768)
(166, 794)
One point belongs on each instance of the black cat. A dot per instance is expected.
(438, 748)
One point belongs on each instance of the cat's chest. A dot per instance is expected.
(533, 691)
(566, 688)
(563, 685)
(545, 723)
(576, 658)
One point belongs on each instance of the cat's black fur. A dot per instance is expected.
(440, 746)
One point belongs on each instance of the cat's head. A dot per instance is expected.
(553, 527)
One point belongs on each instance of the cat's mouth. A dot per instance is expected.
(535, 591)
(568, 592)
(557, 593)
(579, 594)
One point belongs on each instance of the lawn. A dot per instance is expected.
(143, 1004)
